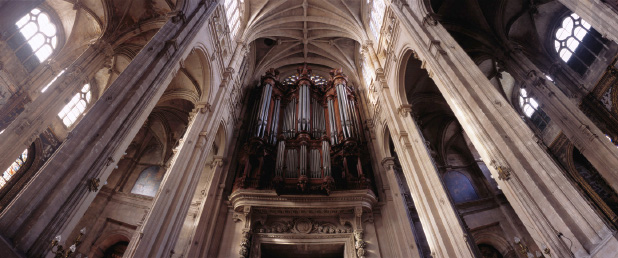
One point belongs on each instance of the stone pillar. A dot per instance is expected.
(39, 114)
(580, 130)
(544, 199)
(157, 236)
(210, 211)
(404, 237)
(11, 11)
(55, 199)
(444, 232)
(600, 15)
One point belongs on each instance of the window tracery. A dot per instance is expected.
(531, 109)
(376, 17)
(232, 15)
(76, 107)
(39, 32)
(11, 170)
(577, 43)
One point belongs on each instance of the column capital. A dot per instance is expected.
(388, 163)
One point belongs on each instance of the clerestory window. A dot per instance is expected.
(34, 38)
(376, 17)
(12, 170)
(531, 109)
(577, 43)
(233, 16)
(76, 107)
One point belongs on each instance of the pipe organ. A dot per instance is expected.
(304, 136)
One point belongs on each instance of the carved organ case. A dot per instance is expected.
(305, 137)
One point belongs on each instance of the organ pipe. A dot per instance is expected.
(331, 120)
(303, 160)
(289, 127)
(326, 158)
(279, 165)
(275, 122)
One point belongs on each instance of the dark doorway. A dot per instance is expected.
(302, 250)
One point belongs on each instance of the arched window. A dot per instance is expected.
(9, 172)
(376, 17)
(36, 40)
(460, 187)
(148, 182)
(76, 106)
(577, 43)
(532, 110)
(232, 15)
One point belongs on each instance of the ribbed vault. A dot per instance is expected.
(287, 34)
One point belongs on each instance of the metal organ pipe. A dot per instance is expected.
(303, 160)
(280, 159)
(315, 164)
(275, 122)
(331, 120)
(342, 115)
(326, 158)
(263, 111)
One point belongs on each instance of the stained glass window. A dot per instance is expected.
(9, 172)
(148, 182)
(76, 107)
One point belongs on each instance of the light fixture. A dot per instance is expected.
(60, 252)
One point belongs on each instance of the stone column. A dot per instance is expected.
(56, 198)
(210, 211)
(157, 236)
(39, 114)
(404, 237)
(580, 130)
(444, 232)
(544, 199)
(600, 15)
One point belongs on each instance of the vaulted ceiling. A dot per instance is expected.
(321, 33)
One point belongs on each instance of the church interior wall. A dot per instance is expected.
(163, 176)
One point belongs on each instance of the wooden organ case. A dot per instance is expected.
(304, 138)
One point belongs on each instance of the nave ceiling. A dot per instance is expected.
(288, 34)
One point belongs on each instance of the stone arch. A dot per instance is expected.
(108, 240)
(399, 94)
(496, 241)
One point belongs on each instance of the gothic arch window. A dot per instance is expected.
(14, 168)
(577, 43)
(76, 107)
(232, 15)
(460, 187)
(532, 111)
(35, 38)
(376, 17)
(148, 182)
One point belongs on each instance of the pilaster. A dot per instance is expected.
(56, 198)
(544, 199)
